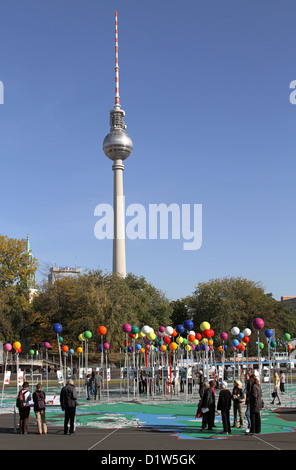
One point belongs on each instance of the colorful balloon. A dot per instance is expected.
(204, 326)
(79, 350)
(46, 345)
(268, 333)
(258, 323)
(87, 334)
(188, 325)
(16, 345)
(126, 328)
(235, 331)
(65, 349)
(179, 329)
(106, 346)
(223, 336)
(7, 347)
(31, 352)
(102, 330)
(56, 328)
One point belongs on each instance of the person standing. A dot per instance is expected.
(23, 404)
(201, 383)
(238, 398)
(39, 408)
(68, 401)
(282, 382)
(98, 383)
(248, 385)
(224, 405)
(207, 401)
(255, 406)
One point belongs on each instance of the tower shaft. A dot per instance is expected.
(119, 261)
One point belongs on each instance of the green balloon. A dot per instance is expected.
(184, 341)
(87, 334)
(61, 339)
(273, 344)
(134, 330)
(287, 337)
(261, 345)
(32, 352)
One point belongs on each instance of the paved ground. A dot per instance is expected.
(148, 437)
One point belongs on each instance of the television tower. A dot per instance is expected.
(117, 146)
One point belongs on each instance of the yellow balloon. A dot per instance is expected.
(79, 350)
(136, 336)
(196, 342)
(142, 335)
(210, 342)
(142, 350)
(205, 326)
(204, 341)
(16, 345)
(173, 346)
(151, 336)
(81, 337)
(180, 340)
(163, 348)
(244, 344)
(187, 347)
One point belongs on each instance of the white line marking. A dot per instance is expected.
(266, 443)
(103, 439)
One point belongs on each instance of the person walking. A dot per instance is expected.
(238, 399)
(255, 406)
(23, 404)
(224, 405)
(88, 386)
(39, 408)
(98, 383)
(275, 393)
(68, 401)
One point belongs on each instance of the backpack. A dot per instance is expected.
(20, 401)
(40, 400)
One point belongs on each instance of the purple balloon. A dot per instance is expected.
(161, 329)
(126, 328)
(258, 323)
(223, 336)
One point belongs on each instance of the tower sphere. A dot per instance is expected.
(117, 145)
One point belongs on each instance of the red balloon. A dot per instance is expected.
(246, 339)
(167, 339)
(198, 336)
(102, 330)
(207, 334)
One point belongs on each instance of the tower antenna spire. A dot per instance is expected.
(117, 103)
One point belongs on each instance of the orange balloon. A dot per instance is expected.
(65, 348)
(102, 330)
(79, 350)
(174, 333)
(191, 338)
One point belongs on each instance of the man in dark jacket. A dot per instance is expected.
(68, 400)
(224, 405)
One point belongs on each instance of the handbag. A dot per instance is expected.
(198, 411)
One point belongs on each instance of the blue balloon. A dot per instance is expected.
(138, 347)
(56, 328)
(197, 348)
(225, 347)
(235, 343)
(188, 324)
(240, 335)
(129, 349)
(179, 329)
(100, 348)
(71, 351)
(268, 333)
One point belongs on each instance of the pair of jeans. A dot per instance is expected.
(41, 421)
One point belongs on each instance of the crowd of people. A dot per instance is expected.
(249, 394)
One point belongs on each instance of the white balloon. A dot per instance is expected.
(169, 331)
(235, 330)
(247, 332)
(146, 329)
(191, 333)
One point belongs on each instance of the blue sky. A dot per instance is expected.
(205, 88)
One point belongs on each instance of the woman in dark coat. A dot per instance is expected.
(207, 404)
(255, 399)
